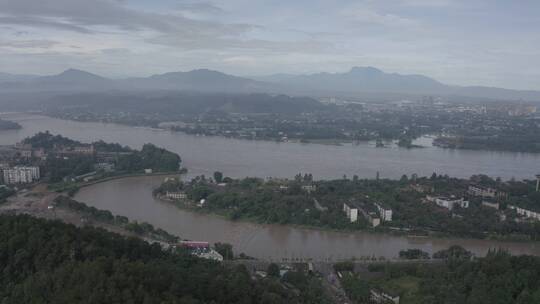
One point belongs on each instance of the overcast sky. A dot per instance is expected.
(469, 42)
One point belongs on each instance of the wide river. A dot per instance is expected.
(238, 158)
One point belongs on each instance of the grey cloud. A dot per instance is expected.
(78, 15)
(204, 7)
(171, 29)
(42, 22)
(211, 42)
(25, 44)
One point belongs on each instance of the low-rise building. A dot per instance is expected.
(448, 202)
(107, 167)
(26, 153)
(380, 296)
(175, 195)
(39, 153)
(525, 212)
(368, 211)
(371, 216)
(490, 204)
(421, 188)
(482, 191)
(309, 188)
(201, 250)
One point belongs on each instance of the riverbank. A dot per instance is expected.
(393, 231)
(397, 207)
(39, 202)
(133, 197)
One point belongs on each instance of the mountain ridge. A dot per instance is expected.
(358, 80)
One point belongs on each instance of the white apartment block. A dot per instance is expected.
(476, 190)
(21, 175)
(351, 212)
(450, 203)
(526, 213)
(176, 195)
(385, 213)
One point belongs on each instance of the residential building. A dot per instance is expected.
(176, 195)
(369, 212)
(490, 204)
(21, 175)
(526, 213)
(107, 167)
(373, 219)
(448, 202)
(482, 191)
(351, 211)
(421, 188)
(309, 188)
(39, 153)
(26, 153)
(384, 212)
(380, 296)
(201, 250)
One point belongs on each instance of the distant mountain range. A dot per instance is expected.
(372, 80)
(5, 77)
(359, 81)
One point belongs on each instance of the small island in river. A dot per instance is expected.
(9, 125)
(479, 207)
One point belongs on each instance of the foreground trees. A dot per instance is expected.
(498, 278)
(52, 262)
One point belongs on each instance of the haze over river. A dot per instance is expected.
(132, 197)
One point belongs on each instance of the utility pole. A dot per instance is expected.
(537, 182)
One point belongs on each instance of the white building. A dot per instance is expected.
(176, 195)
(379, 296)
(351, 212)
(309, 188)
(491, 205)
(448, 202)
(526, 213)
(21, 175)
(477, 190)
(385, 213)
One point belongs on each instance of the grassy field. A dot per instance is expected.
(406, 286)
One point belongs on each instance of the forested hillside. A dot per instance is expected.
(52, 262)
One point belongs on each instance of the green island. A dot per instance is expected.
(478, 207)
(9, 125)
(65, 164)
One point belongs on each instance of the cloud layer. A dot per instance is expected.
(480, 42)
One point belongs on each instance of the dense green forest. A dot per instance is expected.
(150, 157)
(499, 278)
(52, 262)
